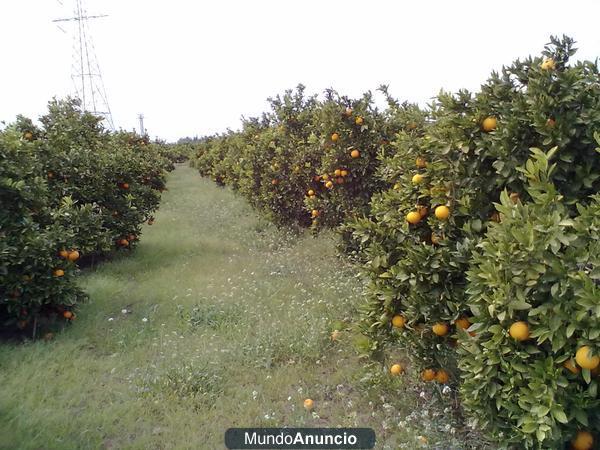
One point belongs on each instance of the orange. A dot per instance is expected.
(548, 64)
(125, 185)
(413, 217)
(355, 154)
(28, 135)
(463, 323)
(309, 404)
(519, 331)
(584, 358)
(123, 242)
(275, 182)
(442, 212)
(396, 369)
(63, 253)
(335, 137)
(59, 273)
(337, 173)
(422, 210)
(417, 179)
(50, 175)
(583, 440)
(68, 315)
(311, 192)
(428, 375)
(314, 213)
(489, 124)
(440, 329)
(344, 173)
(359, 121)
(73, 256)
(325, 177)
(420, 162)
(398, 321)
(329, 185)
(442, 376)
(571, 367)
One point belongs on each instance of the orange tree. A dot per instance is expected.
(444, 178)
(69, 190)
(530, 372)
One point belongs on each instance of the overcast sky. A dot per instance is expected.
(194, 67)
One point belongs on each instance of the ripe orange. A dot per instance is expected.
(428, 375)
(355, 154)
(421, 163)
(359, 121)
(274, 182)
(325, 177)
(311, 193)
(344, 173)
(329, 185)
(123, 242)
(583, 440)
(73, 256)
(59, 273)
(413, 217)
(571, 367)
(548, 64)
(398, 321)
(63, 253)
(463, 323)
(440, 329)
(442, 376)
(314, 213)
(585, 359)
(309, 404)
(68, 315)
(489, 124)
(442, 212)
(396, 369)
(519, 331)
(125, 185)
(422, 210)
(335, 137)
(417, 179)
(337, 172)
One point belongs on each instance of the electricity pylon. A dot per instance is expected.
(85, 71)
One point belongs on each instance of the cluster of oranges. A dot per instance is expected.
(584, 357)
(68, 255)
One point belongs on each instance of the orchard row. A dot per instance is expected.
(477, 222)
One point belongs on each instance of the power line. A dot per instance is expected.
(85, 69)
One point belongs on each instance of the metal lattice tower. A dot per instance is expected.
(85, 70)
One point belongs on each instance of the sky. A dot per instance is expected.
(195, 68)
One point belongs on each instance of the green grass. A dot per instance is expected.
(228, 324)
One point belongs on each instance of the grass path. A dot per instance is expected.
(228, 324)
